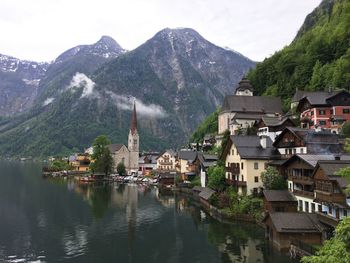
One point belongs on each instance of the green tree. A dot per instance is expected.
(337, 249)
(103, 161)
(121, 168)
(272, 180)
(345, 172)
(345, 130)
(216, 178)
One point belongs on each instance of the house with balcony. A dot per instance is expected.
(272, 126)
(246, 157)
(298, 171)
(242, 110)
(279, 201)
(294, 140)
(166, 161)
(80, 162)
(326, 110)
(330, 191)
(188, 165)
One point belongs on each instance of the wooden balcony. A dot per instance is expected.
(233, 169)
(166, 163)
(236, 183)
(328, 197)
(302, 180)
(327, 219)
(303, 193)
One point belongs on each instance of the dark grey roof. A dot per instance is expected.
(331, 167)
(247, 116)
(253, 104)
(167, 175)
(312, 159)
(249, 147)
(279, 196)
(289, 222)
(319, 97)
(187, 155)
(171, 152)
(115, 147)
(273, 121)
(206, 193)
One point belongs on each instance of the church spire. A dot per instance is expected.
(133, 127)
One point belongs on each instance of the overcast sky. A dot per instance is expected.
(42, 29)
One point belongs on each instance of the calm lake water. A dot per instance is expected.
(45, 220)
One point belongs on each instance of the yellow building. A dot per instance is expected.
(80, 162)
(246, 157)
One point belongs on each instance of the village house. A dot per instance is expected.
(166, 161)
(80, 162)
(272, 126)
(279, 201)
(242, 110)
(286, 228)
(330, 191)
(188, 166)
(148, 163)
(246, 157)
(294, 140)
(128, 155)
(321, 109)
(205, 161)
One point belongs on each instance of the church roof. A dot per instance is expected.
(115, 147)
(133, 126)
(252, 104)
(244, 84)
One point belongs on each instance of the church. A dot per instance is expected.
(128, 155)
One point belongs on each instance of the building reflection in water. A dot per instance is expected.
(234, 242)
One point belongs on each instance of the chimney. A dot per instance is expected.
(263, 141)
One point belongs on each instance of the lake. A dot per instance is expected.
(56, 220)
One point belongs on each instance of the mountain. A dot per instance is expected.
(25, 83)
(19, 81)
(177, 78)
(318, 57)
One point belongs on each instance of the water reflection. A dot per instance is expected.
(61, 220)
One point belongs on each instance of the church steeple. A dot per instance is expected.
(133, 126)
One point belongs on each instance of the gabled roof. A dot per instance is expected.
(115, 147)
(274, 121)
(171, 152)
(206, 193)
(252, 104)
(294, 222)
(331, 167)
(321, 142)
(187, 155)
(312, 159)
(249, 147)
(279, 196)
(318, 98)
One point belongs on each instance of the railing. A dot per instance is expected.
(327, 219)
(233, 169)
(306, 248)
(236, 182)
(302, 180)
(329, 197)
(303, 193)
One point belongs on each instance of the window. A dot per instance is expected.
(346, 111)
(322, 112)
(329, 210)
(345, 212)
(294, 151)
(312, 207)
(300, 205)
(331, 112)
(256, 179)
(279, 209)
(319, 208)
(241, 166)
(233, 152)
(322, 122)
(302, 150)
(306, 206)
(256, 166)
